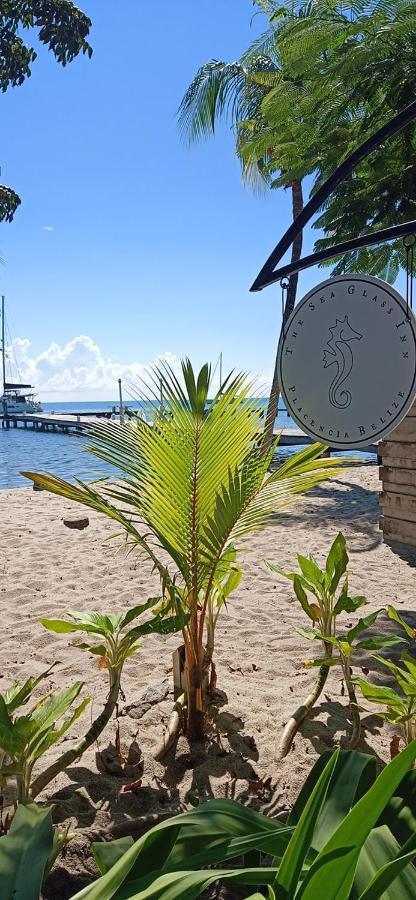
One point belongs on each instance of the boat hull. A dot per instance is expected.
(12, 407)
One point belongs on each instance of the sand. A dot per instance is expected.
(47, 569)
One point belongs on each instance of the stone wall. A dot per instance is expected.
(398, 477)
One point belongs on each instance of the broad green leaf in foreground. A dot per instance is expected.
(332, 873)
(301, 840)
(392, 879)
(24, 853)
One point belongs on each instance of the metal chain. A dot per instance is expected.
(408, 243)
(284, 284)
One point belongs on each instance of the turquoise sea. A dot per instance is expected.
(65, 455)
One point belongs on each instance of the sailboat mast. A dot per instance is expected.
(3, 342)
(3, 357)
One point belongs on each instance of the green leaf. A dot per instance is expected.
(346, 603)
(336, 563)
(107, 853)
(400, 812)
(270, 895)
(332, 873)
(5, 719)
(378, 642)
(205, 828)
(92, 622)
(96, 649)
(384, 869)
(405, 679)
(308, 633)
(224, 830)
(24, 853)
(380, 694)
(362, 625)
(302, 597)
(353, 775)
(14, 735)
(138, 610)
(50, 709)
(233, 581)
(410, 663)
(18, 695)
(257, 896)
(323, 661)
(301, 840)
(46, 739)
(182, 885)
(60, 626)
(278, 569)
(158, 625)
(393, 614)
(311, 571)
(312, 635)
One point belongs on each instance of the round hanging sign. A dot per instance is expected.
(347, 361)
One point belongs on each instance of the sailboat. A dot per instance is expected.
(15, 400)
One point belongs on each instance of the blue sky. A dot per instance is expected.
(125, 235)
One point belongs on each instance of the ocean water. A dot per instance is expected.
(65, 454)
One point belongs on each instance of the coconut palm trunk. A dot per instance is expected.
(272, 408)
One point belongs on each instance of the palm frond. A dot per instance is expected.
(194, 480)
(218, 90)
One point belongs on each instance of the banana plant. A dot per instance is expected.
(191, 485)
(115, 642)
(346, 647)
(24, 739)
(328, 588)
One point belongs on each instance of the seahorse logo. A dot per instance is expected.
(340, 354)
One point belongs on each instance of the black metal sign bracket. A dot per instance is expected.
(269, 274)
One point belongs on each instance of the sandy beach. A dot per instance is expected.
(47, 569)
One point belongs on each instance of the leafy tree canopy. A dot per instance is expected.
(320, 80)
(345, 70)
(61, 26)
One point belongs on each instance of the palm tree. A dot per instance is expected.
(238, 92)
(9, 201)
(355, 64)
(192, 485)
(300, 99)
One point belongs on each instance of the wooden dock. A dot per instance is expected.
(80, 423)
(77, 423)
(293, 437)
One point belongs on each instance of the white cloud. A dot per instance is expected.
(79, 369)
(48, 228)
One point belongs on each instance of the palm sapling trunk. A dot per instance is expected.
(194, 677)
